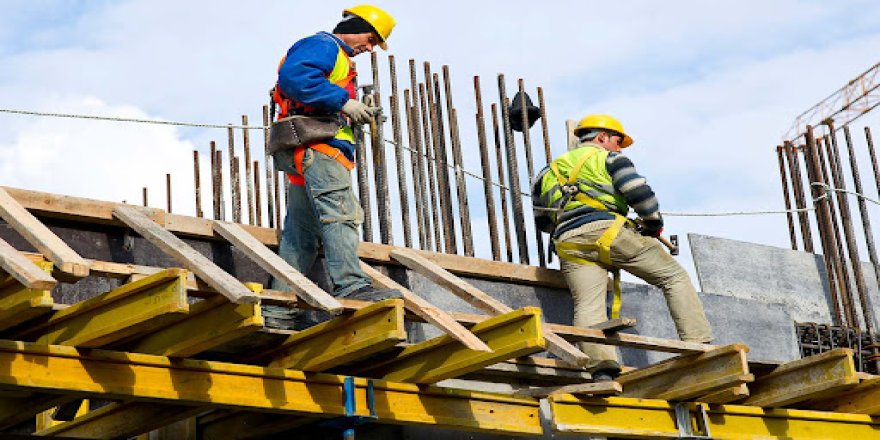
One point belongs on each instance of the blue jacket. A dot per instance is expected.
(303, 77)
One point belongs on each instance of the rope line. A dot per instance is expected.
(827, 188)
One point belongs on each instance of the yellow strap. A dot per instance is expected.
(605, 240)
(573, 175)
(617, 301)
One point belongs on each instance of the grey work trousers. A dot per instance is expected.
(643, 257)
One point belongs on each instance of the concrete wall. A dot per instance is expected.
(768, 274)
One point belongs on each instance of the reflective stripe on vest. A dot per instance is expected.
(299, 153)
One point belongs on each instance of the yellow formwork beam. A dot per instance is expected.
(689, 376)
(19, 304)
(128, 310)
(810, 378)
(118, 420)
(513, 334)
(634, 418)
(863, 399)
(123, 376)
(15, 409)
(209, 324)
(344, 339)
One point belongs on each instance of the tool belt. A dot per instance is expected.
(296, 174)
(603, 246)
(298, 130)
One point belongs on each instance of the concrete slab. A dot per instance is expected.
(770, 274)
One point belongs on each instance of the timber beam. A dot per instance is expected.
(129, 310)
(19, 304)
(614, 416)
(810, 378)
(517, 333)
(689, 376)
(213, 385)
(862, 399)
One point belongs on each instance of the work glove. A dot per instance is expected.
(651, 228)
(359, 112)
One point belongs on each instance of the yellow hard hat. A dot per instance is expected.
(381, 21)
(603, 122)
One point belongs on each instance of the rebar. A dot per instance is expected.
(402, 189)
(420, 159)
(257, 202)
(499, 157)
(870, 140)
(363, 183)
(544, 129)
(270, 173)
(197, 184)
(423, 222)
(869, 241)
(236, 193)
(485, 165)
(799, 198)
(278, 205)
(380, 167)
(786, 196)
(814, 173)
(168, 191)
(839, 254)
(849, 232)
(513, 174)
(146, 199)
(217, 182)
(530, 164)
(234, 178)
(435, 107)
(458, 162)
(248, 173)
(429, 161)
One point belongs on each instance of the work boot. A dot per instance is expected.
(279, 317)
(372, 294)
(606, 371)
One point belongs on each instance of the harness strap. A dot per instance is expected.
(327, 150)
(603, 246)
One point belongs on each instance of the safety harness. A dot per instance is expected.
(572, 189)
(342, 75)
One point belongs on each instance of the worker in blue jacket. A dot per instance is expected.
(317, 77)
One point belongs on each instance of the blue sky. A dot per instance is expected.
(705, 88)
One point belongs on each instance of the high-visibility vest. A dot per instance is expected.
(577, 179)
(342, 75)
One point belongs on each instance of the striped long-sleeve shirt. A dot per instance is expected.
(628, 183)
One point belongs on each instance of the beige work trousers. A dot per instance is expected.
(643, 257)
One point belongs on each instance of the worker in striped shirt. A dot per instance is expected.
(582, 199)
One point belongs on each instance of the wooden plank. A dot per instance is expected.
(128, 376)
(19, 304)
(687, 377)
(425, 310)
(805, 379)
(482, 301)
(615, 325)
(726, 395)
(592, 389)
(223, 282)
(24, 270)
(40, 237)
(510, 335)
(128, 310)
(277, 267)
(344, 339)
(93, 211)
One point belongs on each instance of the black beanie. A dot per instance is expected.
(353, 24)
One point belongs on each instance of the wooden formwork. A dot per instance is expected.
(152, 344)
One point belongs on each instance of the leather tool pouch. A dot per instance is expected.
(297, 130)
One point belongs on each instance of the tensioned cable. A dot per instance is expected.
(456, 168)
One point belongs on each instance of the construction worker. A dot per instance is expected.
(582, 198)
(317, 77)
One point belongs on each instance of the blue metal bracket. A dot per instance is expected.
(348, 422)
